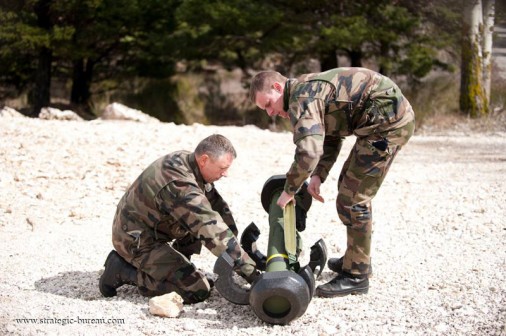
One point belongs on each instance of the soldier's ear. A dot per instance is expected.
(277, 86)
(202, 160)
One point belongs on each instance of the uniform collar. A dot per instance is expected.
(198, 176)
(195, 168)
(286, 93)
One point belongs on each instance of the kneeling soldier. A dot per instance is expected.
(165, 216)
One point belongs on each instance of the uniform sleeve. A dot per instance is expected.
(307, 154)
(187, 203)
(218, 204)
(306, 111)
(331, 148)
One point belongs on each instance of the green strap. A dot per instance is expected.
(290, 232)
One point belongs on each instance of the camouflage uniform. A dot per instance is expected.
(165, 216)
(324, 108)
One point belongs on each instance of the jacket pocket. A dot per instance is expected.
(385, 105)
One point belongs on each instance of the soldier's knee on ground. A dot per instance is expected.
(195, 288)
(195, 293)
(196, 297)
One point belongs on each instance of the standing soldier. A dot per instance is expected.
(324, 108)
(165, 216)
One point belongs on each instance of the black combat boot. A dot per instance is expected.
(116, 274)
(344, 284)
(336, 265)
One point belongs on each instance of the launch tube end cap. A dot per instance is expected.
(275, 184)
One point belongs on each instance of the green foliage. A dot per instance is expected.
(109, 38)
(98, 45)
(418, 62)
(237, 33)
(230, 32)
(348, 32)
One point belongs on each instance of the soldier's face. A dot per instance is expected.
(213, 170)
(272, 101)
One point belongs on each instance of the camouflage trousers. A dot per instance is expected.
(360, 179)
(163, 268)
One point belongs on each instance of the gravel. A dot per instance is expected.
(438, 246)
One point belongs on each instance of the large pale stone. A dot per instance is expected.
(116, 111)
(8, 112)
(168, 305)
(51, 113)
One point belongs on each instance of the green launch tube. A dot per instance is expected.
(283, 292)
(280, 263)
(277, 258)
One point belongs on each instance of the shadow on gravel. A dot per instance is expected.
(80, 285)
(84, 286)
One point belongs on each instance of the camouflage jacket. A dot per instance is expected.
(170, 200)
(325, 107)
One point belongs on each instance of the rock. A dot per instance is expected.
(190, 326)
(116, 111)
(51, 113)
(168, 305)
(7, 112)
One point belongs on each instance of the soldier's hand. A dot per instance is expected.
(247, 268)
(314, 188)
(284, 199)
(249, 273)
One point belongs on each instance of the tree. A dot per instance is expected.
(364, 30)
(83, 42)
(104, 44)
(111, 40)
(40, 95)
(234, 32)
(488, 31)
(26, 55)
(473, 91)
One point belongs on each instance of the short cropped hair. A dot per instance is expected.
(215, 146)
(263, 81)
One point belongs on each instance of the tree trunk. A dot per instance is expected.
(40, 96)
(81, 85)
(356, 58)
(488, 32)
(328, 60)
(472, 94)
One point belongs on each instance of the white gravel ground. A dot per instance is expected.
(438, 246)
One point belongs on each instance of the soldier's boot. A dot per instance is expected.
(116, 274)
(336, 265)
(344, 284)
